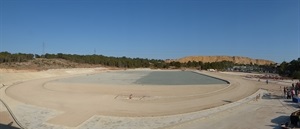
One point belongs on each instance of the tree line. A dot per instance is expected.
(6, 57)
(290, 69)
(121, 62)
(124, 62)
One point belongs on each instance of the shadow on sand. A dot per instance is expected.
(2, 126)
(271, 96)
(290, 103)
(279, 120)
(227, 101)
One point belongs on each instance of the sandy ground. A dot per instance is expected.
(38, 101)
(5, 118)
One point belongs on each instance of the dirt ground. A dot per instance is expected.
(38, 101)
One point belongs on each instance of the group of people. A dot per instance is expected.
(290, 92)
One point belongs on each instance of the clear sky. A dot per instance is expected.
(159, 29)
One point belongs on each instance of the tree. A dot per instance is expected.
(296, 75)
(291, 69)
(18, 57)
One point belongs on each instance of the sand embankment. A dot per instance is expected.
(234, 59)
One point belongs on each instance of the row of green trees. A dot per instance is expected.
(6, 57)
(223, 65)
(126, 62)
(122, 62)
(290, 69)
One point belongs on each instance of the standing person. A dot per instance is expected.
(284, 92)
(293, 92)
(296, 91)
(267, 81)
(288, 94)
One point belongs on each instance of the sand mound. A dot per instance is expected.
(235, 59)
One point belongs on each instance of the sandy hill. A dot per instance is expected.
(44, 64)
(235, 59)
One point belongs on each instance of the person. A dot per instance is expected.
(296, 90)
(293, 86)
(288, 94)
(293, 93)
(130, 96)
(267, 81)
(294, 118)
(257, 97)
(284, 92)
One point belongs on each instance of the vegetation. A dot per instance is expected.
(291, 69)
(126, 62)
(121, 62)
(6, 57)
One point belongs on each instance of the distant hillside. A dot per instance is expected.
(235, 59)
(60, 60)
(44, 64)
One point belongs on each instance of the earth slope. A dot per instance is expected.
(235, 59)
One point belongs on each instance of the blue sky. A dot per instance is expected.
(159, 29)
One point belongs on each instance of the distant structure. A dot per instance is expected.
(43, 52)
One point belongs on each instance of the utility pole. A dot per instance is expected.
(43, 54)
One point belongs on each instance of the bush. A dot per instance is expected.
(296, 75)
